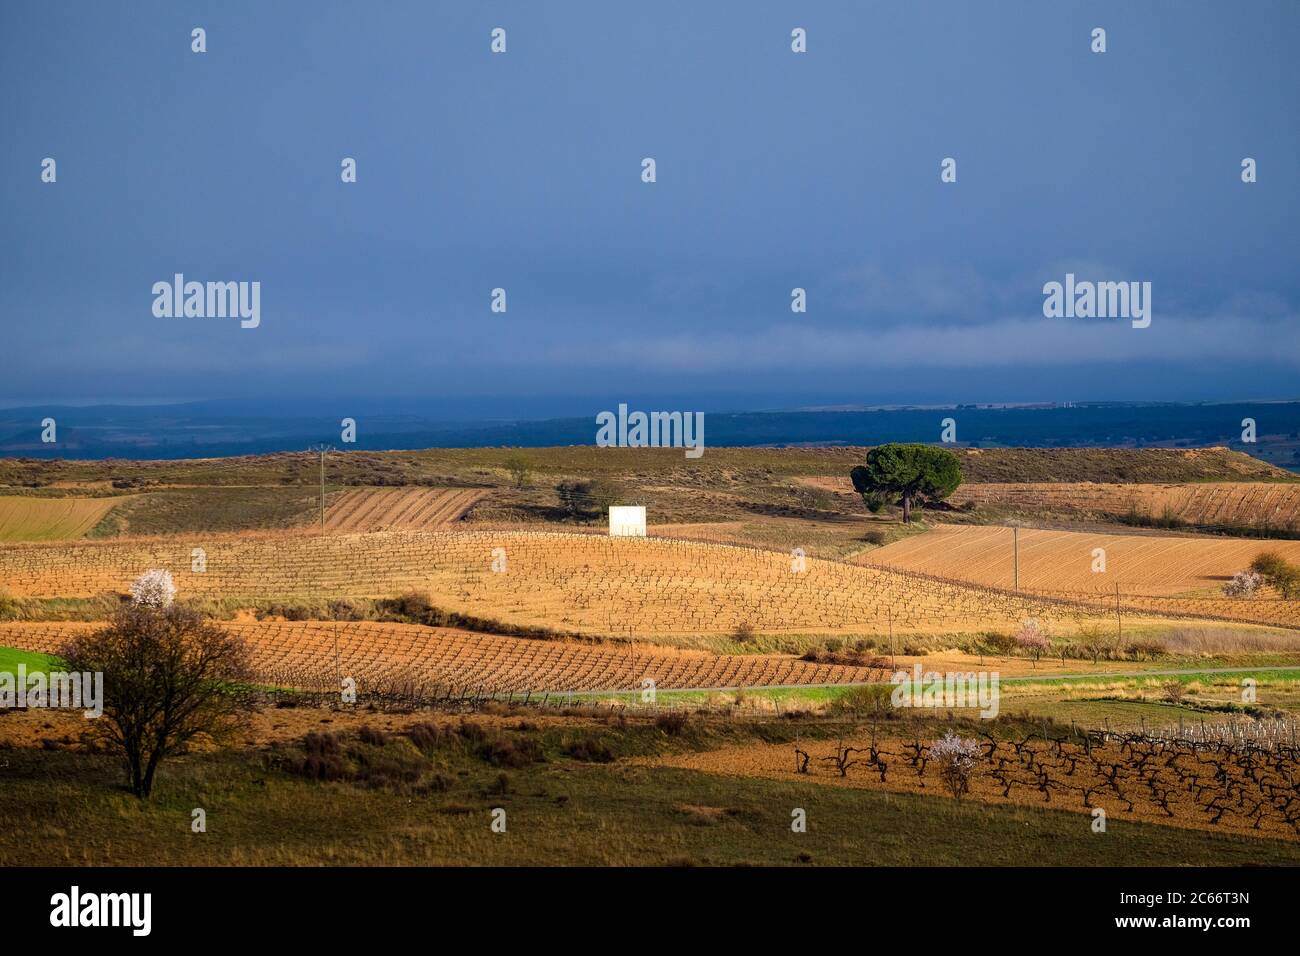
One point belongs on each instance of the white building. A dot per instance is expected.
(627, 521)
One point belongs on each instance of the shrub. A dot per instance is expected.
(1091, 644)
(415, 605)
(588, 497)
(317, 767)
(472, 731)
(874, 501)
(1173, 691)
(1147, 649)
(864, 698)
(295, 612)
(428, 737)
(998, 643)
(345, 610)
(510, 752)
(320, 744)
(1278, 572)
(590, 751)
(519, 468)
(438, 783)
(374, 759)
(744, 633)
(1268, 563)
(818, 499)
(1092, 650)
(672, 722)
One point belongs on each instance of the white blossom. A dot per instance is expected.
(956, 758)
(154, 588)
(955, 750)
(1243, 584)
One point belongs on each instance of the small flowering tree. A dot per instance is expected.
(1244, 584)
(1031, 639)
(154, 588)
(956, 758)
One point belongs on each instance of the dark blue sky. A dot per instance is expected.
(775, 170)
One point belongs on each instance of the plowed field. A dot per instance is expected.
(1227, 503)
(1202, 791)
(303, 654)
(374, 509)
(1063, 560)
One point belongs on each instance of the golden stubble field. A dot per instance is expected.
(1155, 565)
(24, 518)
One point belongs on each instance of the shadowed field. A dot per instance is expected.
(402, 797)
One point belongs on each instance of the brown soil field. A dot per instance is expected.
(584, 583)
(315, 655)
(1142, 564)
(50, 519)
(1228, 503)
(1072, 780)
(376, 509)
(62, 729)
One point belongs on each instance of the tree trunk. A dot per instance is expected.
(134, 770)
(149, 771)
(907, 507)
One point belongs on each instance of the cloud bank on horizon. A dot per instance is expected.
(774, 171)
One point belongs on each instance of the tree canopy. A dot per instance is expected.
(906, 471)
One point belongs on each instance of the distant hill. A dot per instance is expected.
(1116, 465)
(470, 467)
(211, 429)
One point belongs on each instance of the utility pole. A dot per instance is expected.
(321, 448)
(893, 653)
(1015, 552)
(1119, 617)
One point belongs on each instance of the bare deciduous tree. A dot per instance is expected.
(170, 676)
